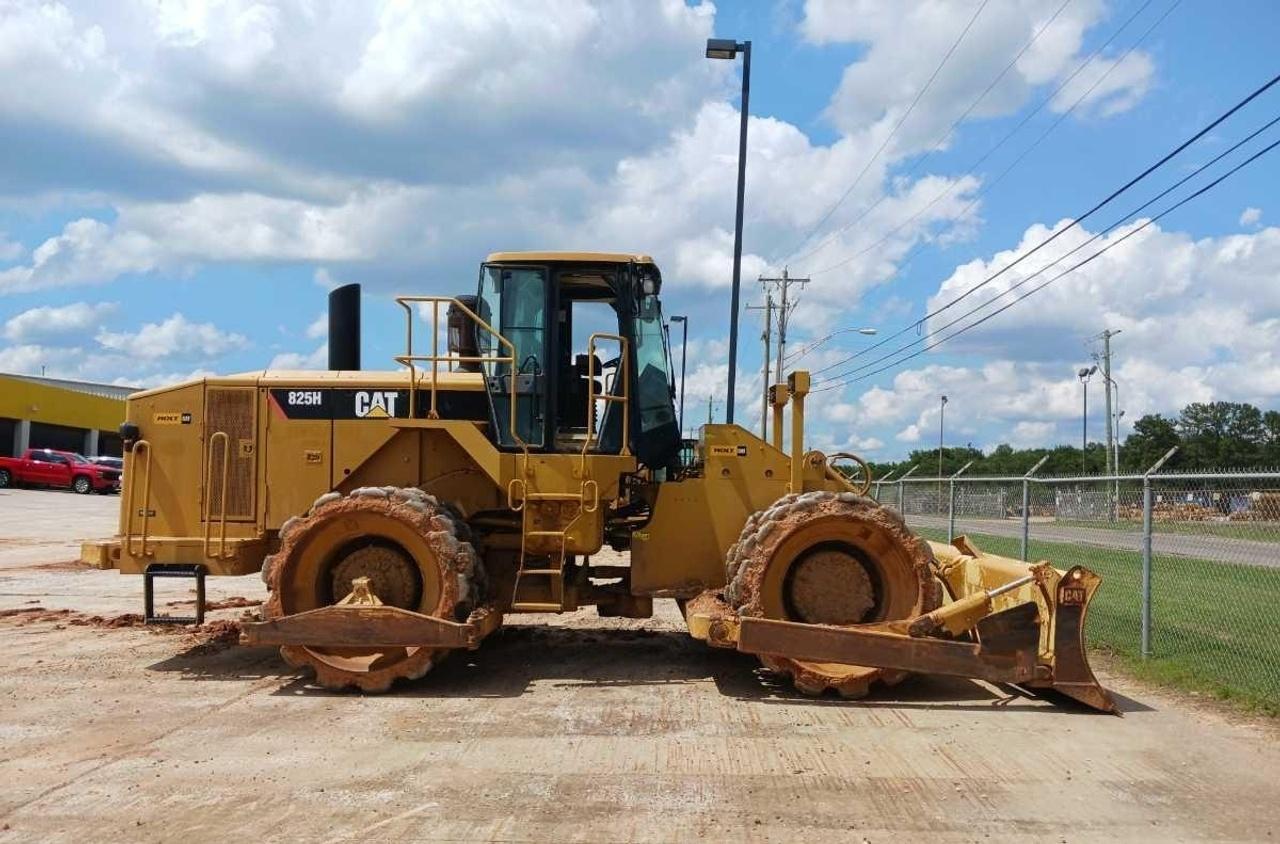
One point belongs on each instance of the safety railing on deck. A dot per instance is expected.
(411, 360)
(623, 398)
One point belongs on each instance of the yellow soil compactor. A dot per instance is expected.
(399, 515)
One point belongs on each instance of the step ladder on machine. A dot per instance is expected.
(587, 500)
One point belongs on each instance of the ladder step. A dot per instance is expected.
(553, 496)
(555, 572)
(559, 533)
(534, 606)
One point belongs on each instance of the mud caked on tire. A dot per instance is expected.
(830, 558)
(406, 542)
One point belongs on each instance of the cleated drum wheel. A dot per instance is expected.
(413, 549)
(830, 558)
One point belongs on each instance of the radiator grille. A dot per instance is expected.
(231, 410)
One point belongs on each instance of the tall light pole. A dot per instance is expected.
(729, 48)
(684, 351)
(1084, 374)
(1119, 416)
(1105, 361)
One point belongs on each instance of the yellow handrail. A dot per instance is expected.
(409, 359)
(624, 397)
(222, 499)
(144, 446)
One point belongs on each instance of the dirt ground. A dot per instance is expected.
(558, 729)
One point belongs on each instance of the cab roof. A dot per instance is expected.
(568, 257)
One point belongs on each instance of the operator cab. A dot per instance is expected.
(563, 314)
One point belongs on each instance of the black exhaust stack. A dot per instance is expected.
(344, 327)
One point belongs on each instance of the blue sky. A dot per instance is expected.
(182, 184)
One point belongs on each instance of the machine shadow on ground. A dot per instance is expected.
(517, 656)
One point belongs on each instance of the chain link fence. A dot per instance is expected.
(1190, 562)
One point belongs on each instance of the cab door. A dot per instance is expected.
(514, 300)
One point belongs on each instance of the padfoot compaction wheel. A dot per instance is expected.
(412, 549)
(830, 558)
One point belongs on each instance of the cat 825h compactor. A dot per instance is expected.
(399, 515)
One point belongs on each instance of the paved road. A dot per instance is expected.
(1220, 549)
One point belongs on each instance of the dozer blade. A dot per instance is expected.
(1004, 647)
(1071, 672)
(355, 625)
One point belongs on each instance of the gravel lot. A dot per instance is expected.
(559, 729)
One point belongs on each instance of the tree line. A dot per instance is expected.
(1209, 436)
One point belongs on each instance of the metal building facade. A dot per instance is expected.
(76, 416)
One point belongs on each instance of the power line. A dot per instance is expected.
(1067, 271)
(919, 94)
(987, 188)
(938, 142)
(1075, 222)
(1102, 233)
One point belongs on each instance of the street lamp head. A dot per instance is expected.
(944, 399)
(721, 48)
(674, 318)
(867, 331)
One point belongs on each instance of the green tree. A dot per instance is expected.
(1221, 435)
(1271, 438)
(1209, 435)
(1152, 436)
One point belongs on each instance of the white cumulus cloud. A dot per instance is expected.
(68, 322)
(175, 337)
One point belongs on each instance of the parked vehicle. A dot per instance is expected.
(110, 462)
(64, 469)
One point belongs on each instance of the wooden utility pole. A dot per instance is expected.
(766, 336)
(783, 284)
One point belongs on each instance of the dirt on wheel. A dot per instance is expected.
(830, 558)
(409, 548)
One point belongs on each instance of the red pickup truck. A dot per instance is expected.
(46, 467)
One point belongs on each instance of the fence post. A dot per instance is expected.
(1147, 506)
(880, 484)
(951, 501)
(1026, 505)
(902, 510)
(951, 510)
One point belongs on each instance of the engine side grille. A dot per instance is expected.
(231, 410)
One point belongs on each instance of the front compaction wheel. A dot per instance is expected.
(830, 558)
(415, 554)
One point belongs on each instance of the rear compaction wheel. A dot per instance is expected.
(830, 558)
(406, 543)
